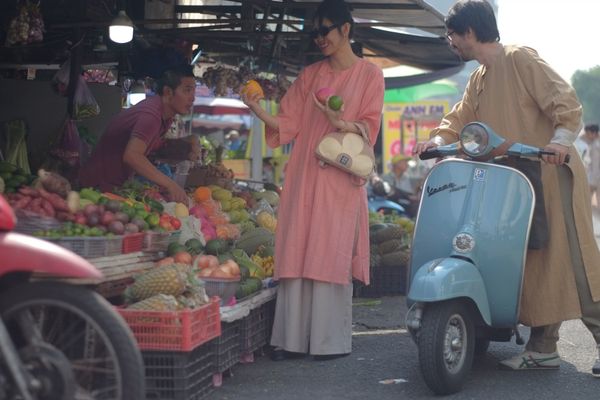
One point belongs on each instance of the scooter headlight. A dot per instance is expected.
(463, 243)
(474, 139)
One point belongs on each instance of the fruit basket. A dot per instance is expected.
(174, 330)
(225, 288)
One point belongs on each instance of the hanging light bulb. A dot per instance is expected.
(121, 28)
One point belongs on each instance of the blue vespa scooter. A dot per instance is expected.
(468, 254)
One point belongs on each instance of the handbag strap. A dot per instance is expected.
(363, 132)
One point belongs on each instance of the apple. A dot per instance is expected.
(324, 93)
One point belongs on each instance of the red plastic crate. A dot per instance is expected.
(133, 242)
(174, 330)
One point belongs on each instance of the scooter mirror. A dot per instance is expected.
(478, 139)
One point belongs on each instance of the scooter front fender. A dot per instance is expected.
(450, 278)
(23, 253)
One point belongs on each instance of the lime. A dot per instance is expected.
(335, 103)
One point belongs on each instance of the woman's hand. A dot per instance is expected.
(252, 101)
(560, 153)
(334, 117)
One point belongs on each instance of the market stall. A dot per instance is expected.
(193, 281)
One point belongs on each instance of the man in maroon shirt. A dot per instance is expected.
(138, 131)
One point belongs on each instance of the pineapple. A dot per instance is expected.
(193, 298)
(158, 302)
(171, 279)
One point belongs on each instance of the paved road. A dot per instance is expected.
(383, 350)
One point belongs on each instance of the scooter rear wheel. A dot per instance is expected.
(88, 350)
(446, 346)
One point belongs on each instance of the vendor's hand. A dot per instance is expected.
(423, 146)
(177, 194)
(195, 150)
(334, 117)
(560, 153)
(252, 101)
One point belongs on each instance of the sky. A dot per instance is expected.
(564, 33)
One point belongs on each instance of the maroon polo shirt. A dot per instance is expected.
(105, 168)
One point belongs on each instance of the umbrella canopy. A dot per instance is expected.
(420, 92)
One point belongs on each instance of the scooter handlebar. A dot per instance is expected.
(430, 153)
(551, 153)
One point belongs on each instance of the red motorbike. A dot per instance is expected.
(59, 340)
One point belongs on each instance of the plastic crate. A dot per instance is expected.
(179, 376)
(385, 281)
(133, 242)
(227, 347)
(159, 241)
(256, 328)
(177, 330)
(29, 222)
(91, 247)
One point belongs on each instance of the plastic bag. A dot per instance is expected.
(191, 229)
(85, 105)
(60, 80)
(69, 145)
(27, 26)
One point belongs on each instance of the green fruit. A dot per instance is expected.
(175, 248)
(335, 103)
(153, 220)
(216, 246)
(194, 246)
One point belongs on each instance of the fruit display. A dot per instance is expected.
(13, 177)
(227, 82)
(389, 242)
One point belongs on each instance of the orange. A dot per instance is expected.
(252, 87)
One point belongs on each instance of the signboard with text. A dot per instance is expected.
(405, 124)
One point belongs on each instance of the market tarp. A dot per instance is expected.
(219, 105)
(419, 92)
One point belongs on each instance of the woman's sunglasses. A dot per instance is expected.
(322, 31)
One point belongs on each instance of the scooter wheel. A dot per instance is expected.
(446, 346)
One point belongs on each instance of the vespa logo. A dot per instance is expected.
(479, 174)
(451, 186)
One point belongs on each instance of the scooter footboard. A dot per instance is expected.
(449, 278)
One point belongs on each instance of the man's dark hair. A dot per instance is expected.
(477, 15)
(172, 77)
(593, 128)
(337, 11)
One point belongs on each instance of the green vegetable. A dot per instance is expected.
(155, 205)
(90, 194)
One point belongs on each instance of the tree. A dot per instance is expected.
(587, 86)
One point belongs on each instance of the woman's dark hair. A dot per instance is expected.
(337, 11)
(477, 15)
(172, 77)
